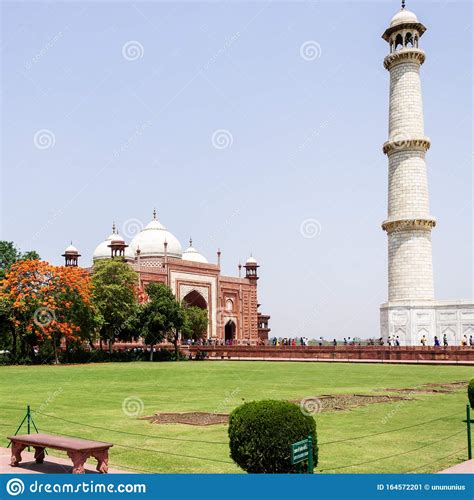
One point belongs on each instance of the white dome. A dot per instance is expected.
(151, 241)
(129, 254)
(71, 249)
(193, 255)
(102, 250)
(403, 16)
(116, 237)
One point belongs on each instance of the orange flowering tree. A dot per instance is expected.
(47, 303)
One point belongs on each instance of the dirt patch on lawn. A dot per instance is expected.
(339, 402)
(189, 418)
(325, 403)
(433, 388)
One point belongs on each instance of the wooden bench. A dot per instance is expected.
(78, 450)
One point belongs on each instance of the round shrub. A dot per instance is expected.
(470, 393)
(261, 433)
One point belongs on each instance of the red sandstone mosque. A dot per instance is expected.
(157, 256)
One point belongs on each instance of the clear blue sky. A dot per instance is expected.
(306, 140)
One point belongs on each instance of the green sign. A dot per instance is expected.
(302, 451)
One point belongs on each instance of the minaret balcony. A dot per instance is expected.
(394, 225)
(401, 142)
(402, 56)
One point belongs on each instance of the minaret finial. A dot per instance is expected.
(403, 4)
(113, 227)
(154, 214)
(190, 241)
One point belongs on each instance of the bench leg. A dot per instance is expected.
(17, 448)
(78, 460)
(39, 455)
(102, 458)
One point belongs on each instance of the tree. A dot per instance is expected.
(179, 325)
(115, 294)
(196, 321)
(159, 316)
(30, 255)
(8, 336)
(47, 303)
(9, 254)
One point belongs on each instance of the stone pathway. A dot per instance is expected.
(466, 467)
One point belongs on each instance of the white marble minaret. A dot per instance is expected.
(411, 311)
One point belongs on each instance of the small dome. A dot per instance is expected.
(250, 260)
(71, 249)
(151, 241)
(192, 255)
(403, 16)
(116, 237)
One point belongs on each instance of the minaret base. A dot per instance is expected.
(411, 320)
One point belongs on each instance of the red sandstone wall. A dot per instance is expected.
(380, 353)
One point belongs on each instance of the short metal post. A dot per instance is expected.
(28, 420)
(310, 456)
(468, 427)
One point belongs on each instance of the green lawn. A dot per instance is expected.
(92, 395)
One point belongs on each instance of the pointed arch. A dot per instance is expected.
(229, 330)
(195, 299)
(398, 41)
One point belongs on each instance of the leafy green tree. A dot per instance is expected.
(8, 334)
(179, 325)
(9, 254)
(196, 322)
(115, 292)
(159, 316)
(30, 255)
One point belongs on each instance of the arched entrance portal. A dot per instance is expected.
(195, 299)
(229, 331)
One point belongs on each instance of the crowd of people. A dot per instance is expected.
(464, 341)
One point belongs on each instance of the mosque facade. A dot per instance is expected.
(157, 256)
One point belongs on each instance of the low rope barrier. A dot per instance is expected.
(131, 433)
(394, 455)
(434, 461)
(389, 431)
(152, 450)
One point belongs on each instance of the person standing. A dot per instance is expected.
(423, 341)
(445, 340)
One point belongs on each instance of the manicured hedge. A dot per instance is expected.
(470, 392)
(261, 433)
